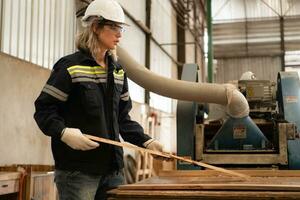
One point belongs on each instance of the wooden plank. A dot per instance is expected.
(43, 187)
(225, 186)
(9, 175)
(212, 173)
(167, 155)
(42, 174)
(217, 183)
(13, 168)
(201, 195)
(213, 185)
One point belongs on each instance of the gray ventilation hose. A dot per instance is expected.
(224, 94)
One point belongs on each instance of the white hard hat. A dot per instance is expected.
(248, 76)
(108, 9)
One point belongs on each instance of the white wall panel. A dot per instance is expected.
(162, 65)
(293, 69)
(163, 24)
(189, 48)
(167, 131)
(136, 8)
(163, 27)
(133, 40)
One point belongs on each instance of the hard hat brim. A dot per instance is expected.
(84, 21)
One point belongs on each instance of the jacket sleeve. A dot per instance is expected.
(130, 130)
(53, 96)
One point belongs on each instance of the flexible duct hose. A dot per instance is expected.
(224, 94)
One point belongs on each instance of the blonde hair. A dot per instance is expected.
(88, 40)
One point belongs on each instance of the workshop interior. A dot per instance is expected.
(216, 82)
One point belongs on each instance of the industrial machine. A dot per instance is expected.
(258, 130)
(268, 137)
(262, 127)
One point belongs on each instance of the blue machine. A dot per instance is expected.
(186, 120)
(268, 137)
(239, 134)
(288, 95)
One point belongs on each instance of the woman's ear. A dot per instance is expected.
(95, 28)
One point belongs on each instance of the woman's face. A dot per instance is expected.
(109, 35)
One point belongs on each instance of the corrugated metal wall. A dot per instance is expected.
(265, 68)
(292, 33)
(253, 38)
(38, 31)
(247, 36)
(225, 10)
(246, 39)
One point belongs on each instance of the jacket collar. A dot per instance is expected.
(88, 56)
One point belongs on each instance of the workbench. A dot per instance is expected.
(27, 182)
(212, 185)
(9, 185)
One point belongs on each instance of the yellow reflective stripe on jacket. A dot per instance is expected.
(119, 73)
(119, 76)
(81, 73)
(97, 74)
(86, 69)
(86, 72)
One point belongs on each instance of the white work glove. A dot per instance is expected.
(76, 140)
(154, 145)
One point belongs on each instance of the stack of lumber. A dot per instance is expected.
(213, 185)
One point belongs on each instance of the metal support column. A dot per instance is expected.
(282, 43)
(148, 41)
(180, 39)
(195, 28)
(210, 55)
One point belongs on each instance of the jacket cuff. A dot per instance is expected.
(58, 132)
(62, 133)
(146, 144)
